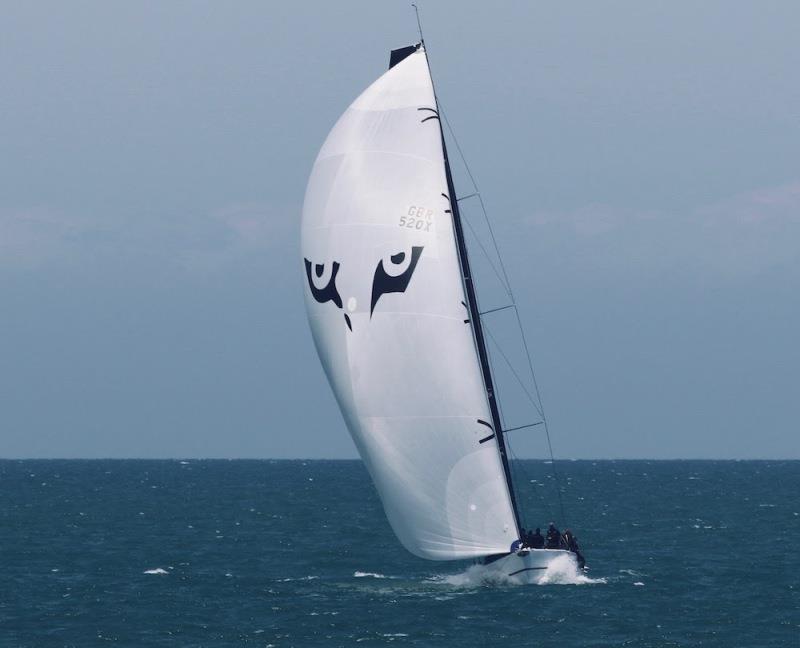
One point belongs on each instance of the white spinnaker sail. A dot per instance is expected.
(385, 303)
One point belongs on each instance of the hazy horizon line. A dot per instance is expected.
(356, 459)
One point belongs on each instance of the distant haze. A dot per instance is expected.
(640, 161)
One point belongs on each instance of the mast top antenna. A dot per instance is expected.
(419, 25)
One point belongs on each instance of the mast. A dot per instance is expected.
(472, 305)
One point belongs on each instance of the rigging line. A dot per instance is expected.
(545, 505)
(556, 477)
(516, 375)
(515, 468)
(537, 403)
(540, 409)
(507, 286)
(512, 465)
(519, 467)
(472, 195)
(488, 258)
(474, 308)
(480, 199)
(522, 427)
(492, 398)
(499, 308)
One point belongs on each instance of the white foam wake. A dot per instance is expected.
(474, 576)
(564, 571)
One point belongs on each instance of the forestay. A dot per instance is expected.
(386, 306)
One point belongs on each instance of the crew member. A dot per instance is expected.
(518, 544)
(571, 544)
(535, 539)
(553, 537)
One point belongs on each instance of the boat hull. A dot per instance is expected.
(530, 566)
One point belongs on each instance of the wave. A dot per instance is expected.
(301, 578)
(157, 570)
(360, 574)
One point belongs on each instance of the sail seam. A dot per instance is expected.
(393, 153)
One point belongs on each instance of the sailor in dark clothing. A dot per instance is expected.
(553, 537)
(535, 539)
(523, 538)
(571, 544)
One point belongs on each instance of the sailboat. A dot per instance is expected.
(394, 316)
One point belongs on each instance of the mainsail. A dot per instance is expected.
(394, 325)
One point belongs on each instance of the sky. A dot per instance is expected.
(640, 163)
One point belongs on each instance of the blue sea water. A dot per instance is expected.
(298, 553)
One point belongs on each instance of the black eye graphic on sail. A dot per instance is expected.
(383, 282)
(329, 292)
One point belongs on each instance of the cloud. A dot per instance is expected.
(35, 236)
(235, 233)
(40, 237)
(771, 205)
(589, 220)
(744, 234)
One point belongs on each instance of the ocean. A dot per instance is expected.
(299, 553)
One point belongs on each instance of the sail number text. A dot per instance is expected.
(418, 218)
